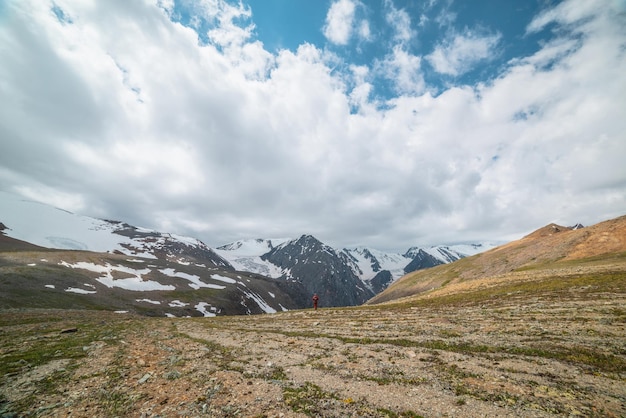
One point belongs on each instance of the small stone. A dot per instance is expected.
(145, 378)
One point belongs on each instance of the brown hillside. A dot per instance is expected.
(538, 250)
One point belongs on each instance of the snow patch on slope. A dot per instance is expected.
(80, 291)
(265, 307)
(205, 309)
(135, 283)
(196, 283)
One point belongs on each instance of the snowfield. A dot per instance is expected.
(245, 255)
(50, 227)
(196, 283)
(136, 283)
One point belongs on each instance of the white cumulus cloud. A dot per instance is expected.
(400, 21)
(118, 110)
(459, 54)
(340, 21)
(404, 69)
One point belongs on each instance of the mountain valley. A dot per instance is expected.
(532, 328)
(542, 343)
(111, 264)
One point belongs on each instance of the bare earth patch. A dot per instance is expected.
(538, 356)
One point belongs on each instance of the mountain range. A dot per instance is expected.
(346, 277)
(298, 267)
(554, 298)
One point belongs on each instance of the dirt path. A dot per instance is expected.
(536, 358)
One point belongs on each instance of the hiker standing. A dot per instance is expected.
(315, 300)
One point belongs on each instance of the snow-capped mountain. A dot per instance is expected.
(320, 269)
(367, 262)
(299, 266)
(376, 269)
(450, 253)
(49, 227)
(50, 258)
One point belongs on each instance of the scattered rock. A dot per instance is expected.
(276, 366)
(145, 378)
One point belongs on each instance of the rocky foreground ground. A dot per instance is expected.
(533, 356)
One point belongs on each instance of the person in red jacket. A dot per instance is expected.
(315, 300)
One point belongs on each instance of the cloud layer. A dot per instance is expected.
(131, 111)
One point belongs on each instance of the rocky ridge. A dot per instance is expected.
(319, 269)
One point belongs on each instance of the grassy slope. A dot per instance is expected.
(25, 273)
(541, 256)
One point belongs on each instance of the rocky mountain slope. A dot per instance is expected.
(375, 269)
(320, 270)
(63, 279)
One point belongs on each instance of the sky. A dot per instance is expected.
(378, 123)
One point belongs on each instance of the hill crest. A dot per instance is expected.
(545, 247)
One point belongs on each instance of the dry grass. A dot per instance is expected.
(566, 253)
